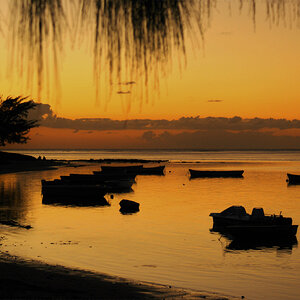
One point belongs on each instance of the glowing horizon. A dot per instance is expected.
(240, 69)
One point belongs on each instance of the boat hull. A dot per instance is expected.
(60, 189)
(293, 179)
(159, 170)
(110, 185)
(236, 222)
(121, 169)
(215, 174)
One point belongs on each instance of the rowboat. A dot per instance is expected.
(112, 175)
(68, 189)
(158, 170)
(293, 179)
(131, 170)
(129, 206)
(215, 173)
(122, 169)
(110, 185)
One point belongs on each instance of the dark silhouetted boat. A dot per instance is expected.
(215, 173)
(60, 188)
(122, 169)
(239, 224)
(158, 170)
(129, 206)
(113, 175)
(74, 201)
(131, 170)
(111, 185)
(293, 179)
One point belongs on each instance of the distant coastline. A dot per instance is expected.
(17, 150)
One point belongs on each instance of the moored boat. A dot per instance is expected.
(130, 170)
(129, 206)
(238, 223)
(67, 189)
(113, 175)
(158, 170)
(293, 178)
(215, 173)
(111, 185)
(122, 169)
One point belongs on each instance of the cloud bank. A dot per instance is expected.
(182, 133)
(47, 118)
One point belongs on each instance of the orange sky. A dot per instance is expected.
(252, 72)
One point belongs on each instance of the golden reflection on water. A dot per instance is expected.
(169, 240)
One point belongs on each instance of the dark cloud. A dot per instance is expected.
(40, 112)
(47, 118)
(220, 139)
(149, 136)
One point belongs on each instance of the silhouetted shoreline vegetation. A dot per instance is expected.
(15, 162)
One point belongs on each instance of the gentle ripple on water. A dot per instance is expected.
(169, 240)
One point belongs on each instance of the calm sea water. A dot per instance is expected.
(169, 240)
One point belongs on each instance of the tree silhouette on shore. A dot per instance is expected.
(14, 125)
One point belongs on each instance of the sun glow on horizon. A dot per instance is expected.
(239, 69)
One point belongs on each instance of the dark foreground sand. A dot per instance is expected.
(20, 279)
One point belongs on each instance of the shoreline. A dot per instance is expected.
(30, 279)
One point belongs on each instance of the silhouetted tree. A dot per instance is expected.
(14, 125)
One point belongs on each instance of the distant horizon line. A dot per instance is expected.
(149, 149)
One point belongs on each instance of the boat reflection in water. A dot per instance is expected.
(75, 201)
(283, 244)
(13, 204)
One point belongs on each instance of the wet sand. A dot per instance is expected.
(23, 279)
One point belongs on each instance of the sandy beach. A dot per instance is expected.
(28, 279)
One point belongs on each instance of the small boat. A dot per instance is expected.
(237, 222)
(215, 173)
(113, 175)
(129, 206)
(111, 185)
(293, 179)
(122, 169)
(60, 188)
(158, 170)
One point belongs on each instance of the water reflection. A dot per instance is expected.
(281, 244)
(75, 201)
(13, 206)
